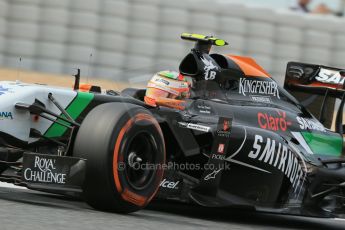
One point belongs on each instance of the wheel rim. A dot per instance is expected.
(140, 157)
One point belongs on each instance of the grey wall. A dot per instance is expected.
(130, 39)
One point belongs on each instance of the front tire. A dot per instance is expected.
(119, 141)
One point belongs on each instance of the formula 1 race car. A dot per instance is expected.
(240, 140)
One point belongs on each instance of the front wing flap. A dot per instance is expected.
(50, 172)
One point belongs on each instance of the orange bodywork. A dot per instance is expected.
(85, 87)
(249, 66)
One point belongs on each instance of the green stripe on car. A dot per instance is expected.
(77, 106)
(324, 144)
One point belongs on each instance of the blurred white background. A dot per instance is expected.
(283, 4)
(131, 39)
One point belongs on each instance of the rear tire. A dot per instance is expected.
(116, 139)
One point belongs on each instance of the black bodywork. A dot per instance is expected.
(231, 146)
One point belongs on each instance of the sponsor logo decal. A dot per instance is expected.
(194, 127)
(218, 157)
(310, 124)
(3, 90)
(161, 87)
(204, 109)
(212, 175)
(43, 172)
(283, 159)
(273, 122)
(224, 127)
(210, 69)
(251, 86)
(6, 116)
(330, 76)
(261, 99)
(158, 79)
(221, 148)
(169, 184)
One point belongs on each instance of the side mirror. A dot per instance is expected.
(295, 72)
(77, 80)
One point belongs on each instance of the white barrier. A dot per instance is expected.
(128, 37)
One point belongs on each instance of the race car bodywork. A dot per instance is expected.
(241, 140)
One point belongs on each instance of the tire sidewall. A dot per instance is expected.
(105, 187)
(134, 123)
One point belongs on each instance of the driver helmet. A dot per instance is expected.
(167, 84)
